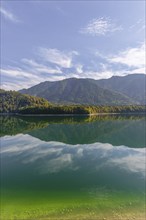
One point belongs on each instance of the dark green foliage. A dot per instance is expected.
(12, 101)
(74, 109)
(69, 109)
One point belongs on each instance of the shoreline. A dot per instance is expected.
(62, 115)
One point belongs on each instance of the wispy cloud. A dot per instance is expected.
(100, 26)
(9, 15)
(17, 78)
(79, 68)
(60, 10)
(14, 78)
(139, 26)
(94, 74)
(53, 64)
(132, 57)
(57, 57)
(16, 72)
(128, 61)
(40, 68)
(49, 65)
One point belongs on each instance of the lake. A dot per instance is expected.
(73, 167)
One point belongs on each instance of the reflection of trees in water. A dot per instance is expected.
(115, 129)
(15, 125)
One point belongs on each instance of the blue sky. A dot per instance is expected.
(54, 40)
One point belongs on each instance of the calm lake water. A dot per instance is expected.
(73, 168)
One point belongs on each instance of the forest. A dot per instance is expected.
(81, 109)
(15, 102)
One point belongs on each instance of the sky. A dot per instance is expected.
(54, 40)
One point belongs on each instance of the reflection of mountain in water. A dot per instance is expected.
(116, 130)
(57, 165)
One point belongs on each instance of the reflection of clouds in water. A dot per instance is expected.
(57, 164)
(132, 163)
(53, 157)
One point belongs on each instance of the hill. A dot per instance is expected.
(79, 91)
(12, 101)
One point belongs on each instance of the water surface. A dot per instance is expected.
(73, 167)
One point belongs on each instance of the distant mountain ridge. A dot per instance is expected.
(133, 86)
(116, 90)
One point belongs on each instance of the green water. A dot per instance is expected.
(73, 168)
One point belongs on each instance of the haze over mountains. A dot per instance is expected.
(116, 90)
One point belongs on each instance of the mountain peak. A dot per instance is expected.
(113, 91)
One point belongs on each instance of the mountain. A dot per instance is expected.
(79, 91)
(116, 90)
(12, 101)
(133, 86)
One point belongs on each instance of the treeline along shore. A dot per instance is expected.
(79, 109)
(12, 102)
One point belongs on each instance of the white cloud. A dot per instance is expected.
(16, 72)
(54, 65)
(56, 156)
(138, 27)
(79, 68)
(128, 61)
(98, 74)
(107, 72)
(8, 15)
(135, 164)
(31, 73)
(57, 164)
(40, 68)
(58, 57)
(100, 26)
(132, 57)
(31, 62)
(11, 86)
(17, 79)
(140, 21)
